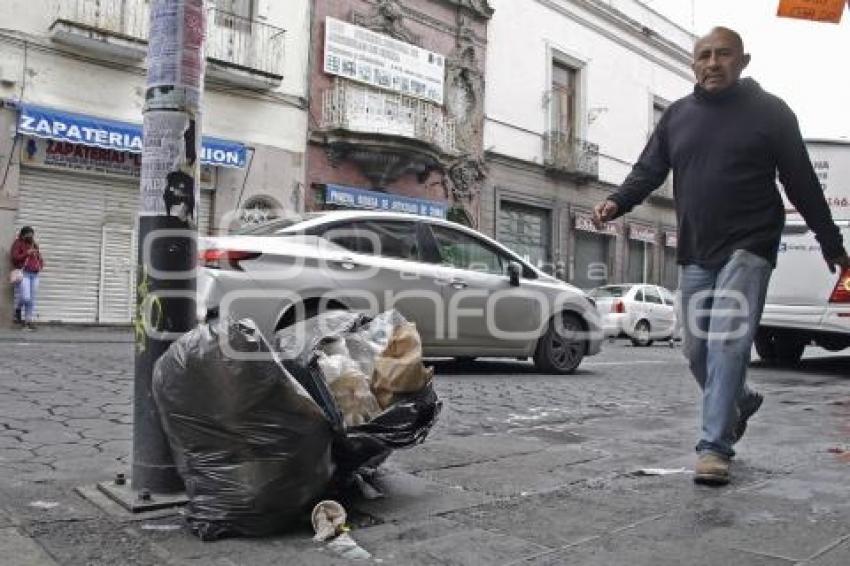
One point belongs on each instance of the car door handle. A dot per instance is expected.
(345, 263)
(455, 283)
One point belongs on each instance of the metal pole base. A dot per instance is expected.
(139, 501)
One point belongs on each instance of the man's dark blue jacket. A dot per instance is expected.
(725, 150)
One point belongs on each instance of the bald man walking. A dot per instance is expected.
(725, 143)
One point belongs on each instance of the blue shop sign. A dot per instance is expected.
(112, 134)
(361, 198)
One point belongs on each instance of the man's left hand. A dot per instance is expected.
(842, 262)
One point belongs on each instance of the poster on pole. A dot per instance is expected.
(168, 172)
(829, 11)
(176, 45)
(164, 46)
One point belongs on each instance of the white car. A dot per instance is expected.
(642, 312)
(468, 295)
(806, 304)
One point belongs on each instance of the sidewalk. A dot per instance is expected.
(521, 469)
(67, 334)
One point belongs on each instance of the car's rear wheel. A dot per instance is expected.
(561, 349)
(642, 334)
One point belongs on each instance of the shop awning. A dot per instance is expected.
(111, 134)
(352, 197)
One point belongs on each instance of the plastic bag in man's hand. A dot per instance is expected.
(252, 446)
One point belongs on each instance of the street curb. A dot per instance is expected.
(66, 336)
(7, 340)
(25, 550)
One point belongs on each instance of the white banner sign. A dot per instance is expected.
(369, 57)
(642, 233)
(585, 224)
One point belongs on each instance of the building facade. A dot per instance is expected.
(72, 86)
(570, 103)
(397, 106)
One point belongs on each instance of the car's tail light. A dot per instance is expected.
(841, 293)
(618, 307)
(222, 259)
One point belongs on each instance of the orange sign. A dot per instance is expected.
(817, 10)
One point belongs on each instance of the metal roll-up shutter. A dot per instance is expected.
(117, 274)
(85, 225)
(527, 231)
(593, 253)
(68, 212)
(205, 213)
(119, 256)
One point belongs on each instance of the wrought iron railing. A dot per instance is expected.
(127, 18)
(568, 154)
(245, 42)
(360, 108)
(231, 39)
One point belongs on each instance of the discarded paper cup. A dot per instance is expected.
(327, 517)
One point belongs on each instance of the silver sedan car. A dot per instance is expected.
(468, 295)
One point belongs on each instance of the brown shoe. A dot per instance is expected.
(711, 469)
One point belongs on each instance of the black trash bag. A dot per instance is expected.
(404, 424)
(252, 447)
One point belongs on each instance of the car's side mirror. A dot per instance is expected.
(514, 273)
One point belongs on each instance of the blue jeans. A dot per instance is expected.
(720, 312)
(25, 292)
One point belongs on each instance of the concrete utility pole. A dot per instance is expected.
(168, 211)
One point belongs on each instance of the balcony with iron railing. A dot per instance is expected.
(362, 109)
(120, 28)
(566, 154)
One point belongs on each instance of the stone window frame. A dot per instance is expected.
(564, 56)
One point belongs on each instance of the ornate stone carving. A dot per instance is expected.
(467, 175)
(382, 163)
(480, 8)
(336, 154)
(465, 92)
(465, 103)
(387, 18)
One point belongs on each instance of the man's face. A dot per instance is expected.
(719, 60)
(28, 236)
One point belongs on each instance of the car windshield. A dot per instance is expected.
(613, 292)
(275, 226)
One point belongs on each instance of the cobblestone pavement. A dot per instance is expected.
(522, 468)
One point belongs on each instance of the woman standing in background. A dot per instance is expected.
(27, 260)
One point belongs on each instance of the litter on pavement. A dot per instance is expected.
(328, 518)
(661, 471)
(154, 527)
(44, 504)
(346, 547)
(275, 430)
(253, 448)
